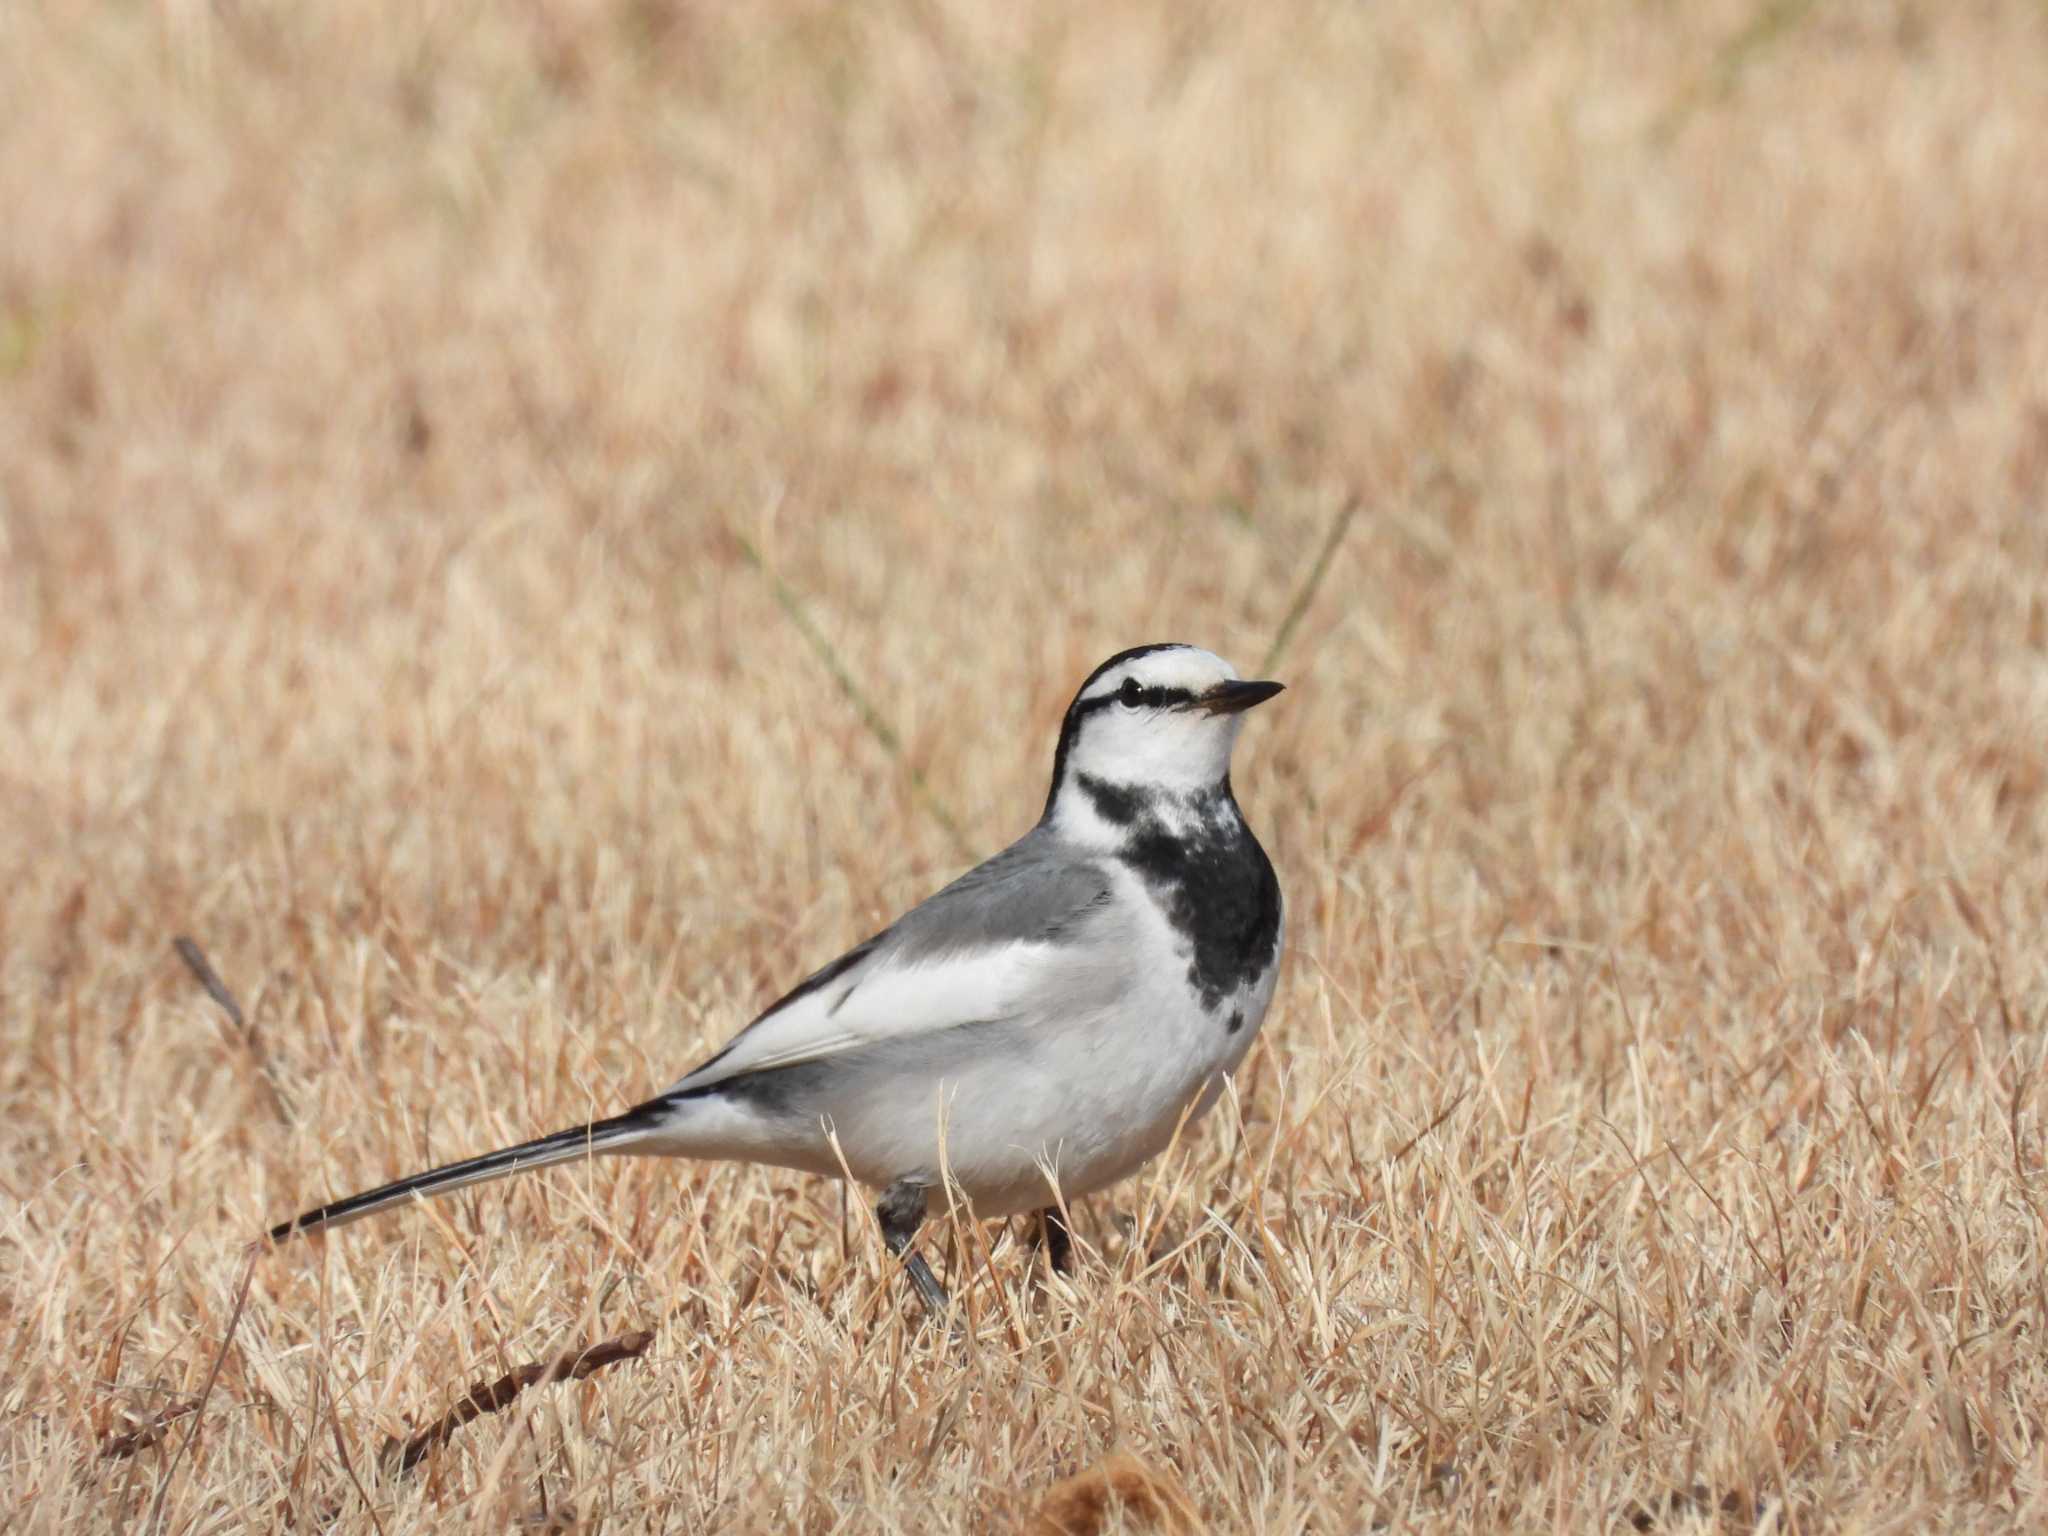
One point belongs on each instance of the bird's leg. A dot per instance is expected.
(901, 1212)
(1056, 1239)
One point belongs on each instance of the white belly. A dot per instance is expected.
(1004, 1110)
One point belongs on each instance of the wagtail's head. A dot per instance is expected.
(1153, 723)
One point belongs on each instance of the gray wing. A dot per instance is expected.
(1002, 940)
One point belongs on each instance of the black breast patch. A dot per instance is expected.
(1218, 890)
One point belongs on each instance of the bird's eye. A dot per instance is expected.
(1130, 695)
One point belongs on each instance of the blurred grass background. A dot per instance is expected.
(418, 426)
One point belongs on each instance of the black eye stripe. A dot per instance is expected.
(1155, 697)
(1131, 691)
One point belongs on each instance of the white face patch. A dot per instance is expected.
(1140, 726)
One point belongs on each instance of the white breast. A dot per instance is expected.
(1100, 1051)
(1087, 1095)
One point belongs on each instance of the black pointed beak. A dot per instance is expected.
(1235, 698)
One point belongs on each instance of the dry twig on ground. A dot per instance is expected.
(496, 1396)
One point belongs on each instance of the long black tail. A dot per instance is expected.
(612, 1135)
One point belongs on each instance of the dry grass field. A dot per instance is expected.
(453, 458)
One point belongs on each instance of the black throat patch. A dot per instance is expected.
(1212, 878)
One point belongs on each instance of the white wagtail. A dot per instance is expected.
(1038, 1029)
